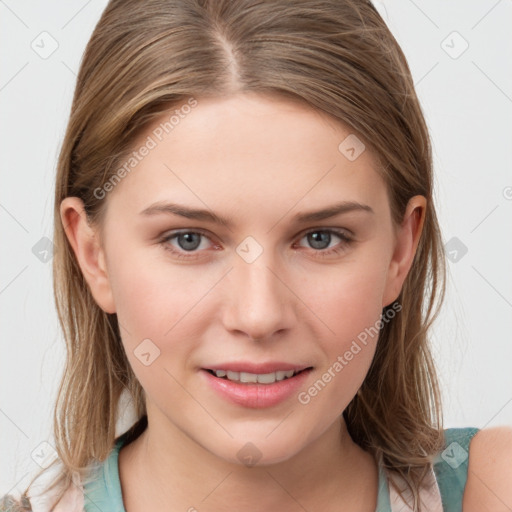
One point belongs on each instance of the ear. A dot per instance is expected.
(406, 242)
(85, 241)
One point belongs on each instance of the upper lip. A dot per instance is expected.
(257, 368)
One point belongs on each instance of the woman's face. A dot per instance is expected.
(265, 293)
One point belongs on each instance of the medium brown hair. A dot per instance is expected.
(337, 56)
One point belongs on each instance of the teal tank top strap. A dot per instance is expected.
(102, 490)
(451, 467)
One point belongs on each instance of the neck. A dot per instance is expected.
(163, 469)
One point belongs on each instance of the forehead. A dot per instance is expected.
(246, 152)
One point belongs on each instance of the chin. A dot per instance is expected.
(259, 450)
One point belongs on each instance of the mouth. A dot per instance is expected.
(256, 378)
(256, 386)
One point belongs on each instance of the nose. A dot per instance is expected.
(259, 303)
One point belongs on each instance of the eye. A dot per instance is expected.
(186, 242)
(320, 239)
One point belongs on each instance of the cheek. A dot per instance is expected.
(348, 299)
(142, 305)
(155, 309)
(152, 297)
(350, 305)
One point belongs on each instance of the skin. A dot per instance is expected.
(257, 161)
(488, 486)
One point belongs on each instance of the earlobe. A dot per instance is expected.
(406, 243)
(84, 240)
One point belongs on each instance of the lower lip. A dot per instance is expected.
(256, 396)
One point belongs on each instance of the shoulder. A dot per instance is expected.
(489, 480)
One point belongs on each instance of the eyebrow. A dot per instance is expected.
(209, 216)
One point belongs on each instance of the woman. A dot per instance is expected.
(248, 247)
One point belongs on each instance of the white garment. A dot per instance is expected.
(430, 495)
(72, 501)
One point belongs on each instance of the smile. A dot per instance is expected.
(265, 386)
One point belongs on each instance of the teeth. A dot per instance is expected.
(248, 377)
(245, 377)
(267, 378)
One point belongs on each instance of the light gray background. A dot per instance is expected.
(467, 100)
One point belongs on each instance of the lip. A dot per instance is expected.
(259, 368)
(255, 395)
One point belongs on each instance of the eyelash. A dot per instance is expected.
(321, 253)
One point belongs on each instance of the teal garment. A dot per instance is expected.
(451, 467)
(103, 493)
